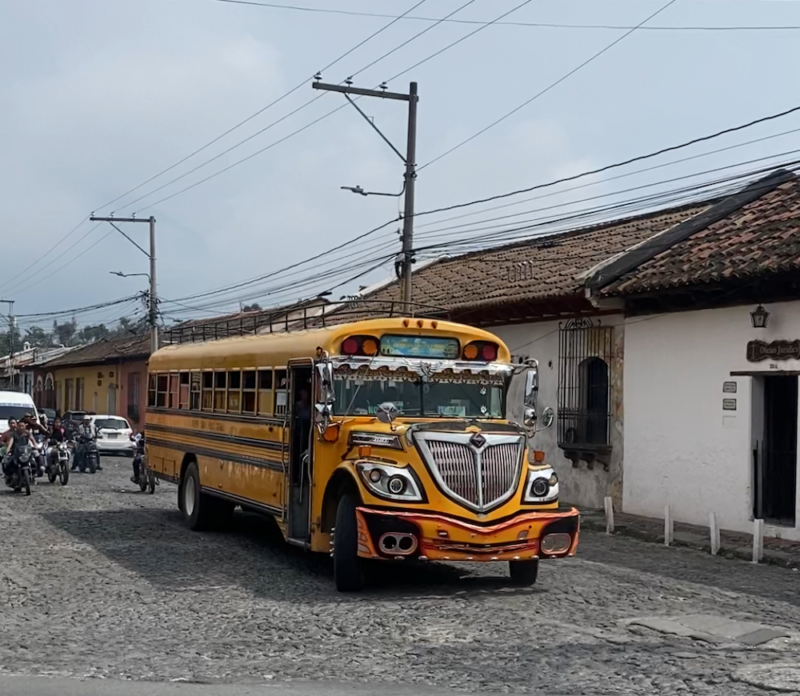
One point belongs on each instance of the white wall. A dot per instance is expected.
(681, 447)
(579, 485)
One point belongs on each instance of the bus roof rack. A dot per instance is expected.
(298, 317)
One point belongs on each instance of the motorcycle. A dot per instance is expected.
(90, 457)
(147, 479)
(18, 472)
(58, 463)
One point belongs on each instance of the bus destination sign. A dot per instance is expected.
(420, 347)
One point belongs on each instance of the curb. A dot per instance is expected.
(771, 557)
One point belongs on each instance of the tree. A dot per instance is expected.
(65, 333)
(255, 307)
(37, 337)
(90, 334)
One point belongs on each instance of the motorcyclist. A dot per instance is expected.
(39, 434)
(20, 434)
(57, 435)
(12, 426)
(138, 440)
(85, 435)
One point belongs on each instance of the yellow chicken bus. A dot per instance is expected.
(382, 439)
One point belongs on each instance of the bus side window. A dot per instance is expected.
(234, 391)
(151, 391)
(281, 392)
(249, 391)
(183, 398)
(174, 388)
(194, 394)
(220, 383)
(162, 386)
(265, 392)
(208, 391)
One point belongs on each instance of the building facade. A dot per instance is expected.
(712, 359)
(97, 377)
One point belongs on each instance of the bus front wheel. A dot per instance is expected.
(347, 569)
(523, 573)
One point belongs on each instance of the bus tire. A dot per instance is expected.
(347, 567)
(523, 573)
(198, 508)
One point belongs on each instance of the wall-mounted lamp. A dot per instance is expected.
(759, 316)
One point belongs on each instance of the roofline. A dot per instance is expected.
(620, 265)
(577, 231)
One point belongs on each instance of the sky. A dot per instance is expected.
(99, 96)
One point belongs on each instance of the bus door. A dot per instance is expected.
(301, 449)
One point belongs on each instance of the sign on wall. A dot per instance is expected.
(758, 351)
(729, 387)
(729, 404)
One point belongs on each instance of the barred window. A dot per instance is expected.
(585, 351)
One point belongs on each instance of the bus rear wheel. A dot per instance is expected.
(523, 573)
(348, 573)
(200, 510)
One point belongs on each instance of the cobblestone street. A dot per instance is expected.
(98, 579)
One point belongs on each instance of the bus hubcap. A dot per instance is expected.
(188, 496)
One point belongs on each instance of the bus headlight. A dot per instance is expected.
(390, 482)
(541, 487)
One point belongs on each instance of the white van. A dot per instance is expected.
(15, 405)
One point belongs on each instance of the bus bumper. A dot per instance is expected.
(386, 535)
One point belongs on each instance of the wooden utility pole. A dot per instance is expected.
(152, 299)
(407, 257)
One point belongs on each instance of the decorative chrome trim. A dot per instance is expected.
(424, 366)
(422, 440)
(389, 441)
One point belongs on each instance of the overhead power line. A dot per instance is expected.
(80, 310)
(299, 130)
(607, 179)
(294, 89)
(608, 167)
(552, 85)
(379, 228)
(544, 25)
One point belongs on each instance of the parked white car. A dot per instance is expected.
(113, 435)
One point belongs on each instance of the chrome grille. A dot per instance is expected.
(456, 465)
(480, 476)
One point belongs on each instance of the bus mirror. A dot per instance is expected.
(325, 372)
(324, 413)
(386, 412)
(531, 388)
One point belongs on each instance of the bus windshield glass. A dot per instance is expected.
(361, 395)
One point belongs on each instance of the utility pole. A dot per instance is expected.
(153, 299)
(12, 325)
(409, 159)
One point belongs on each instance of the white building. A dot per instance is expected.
(711, 395)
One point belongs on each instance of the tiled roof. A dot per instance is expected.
(547, 267)
(760, 238)
(105, 350)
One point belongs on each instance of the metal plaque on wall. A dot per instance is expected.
(729, 404)
(729, 387)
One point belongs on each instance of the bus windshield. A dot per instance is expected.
(360, 396)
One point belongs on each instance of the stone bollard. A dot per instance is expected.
(758, 540)
(714, 533)
(668, 526)
(609, 507)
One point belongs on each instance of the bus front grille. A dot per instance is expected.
(480, 472)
